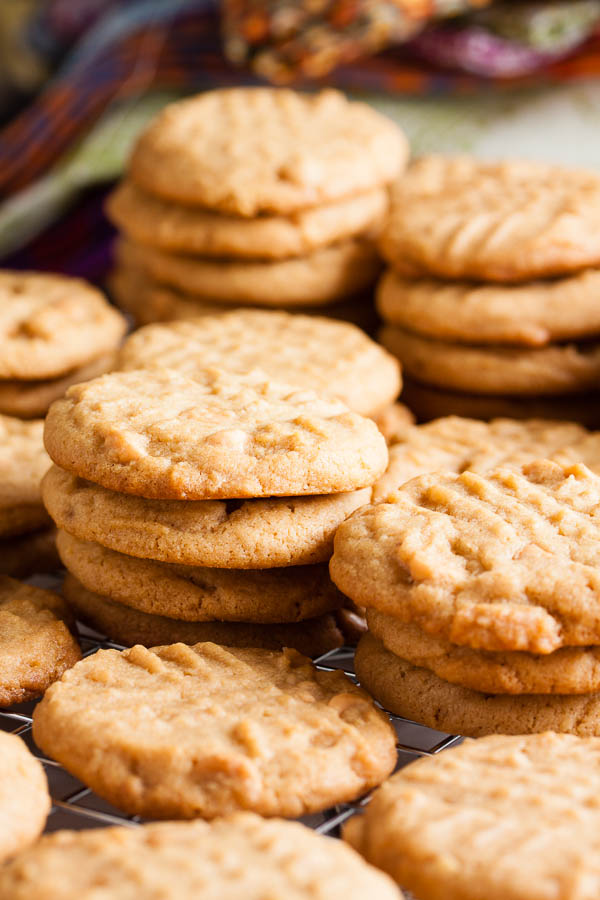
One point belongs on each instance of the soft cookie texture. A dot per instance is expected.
(182, 732)
(24, 798)
(162, 435)
(510, 817)
(23, 462)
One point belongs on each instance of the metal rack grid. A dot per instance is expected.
(75, 806)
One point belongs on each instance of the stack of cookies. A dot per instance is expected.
(491, 298)
(483, 596)
(204, 507)
(253, 196)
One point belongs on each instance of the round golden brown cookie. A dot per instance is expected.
(307, 351)
(51, 324)
(162, 435)
(36, 645)
(323, 276)
(197, 594)
(461, 217)
(230, 534)
(147, 219)
(494, 369)
(394, 422)
(570, 670)
(29, 554)
(421, 696)
(23, 462)
(239, 856)
(509, 817)
(532, 314)
(245, 151)
(186, 732)
(506, 560)
(24, 798)
(128, 626)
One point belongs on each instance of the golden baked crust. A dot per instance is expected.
(23, 462)
(24, 799)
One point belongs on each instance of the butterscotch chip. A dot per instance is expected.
(24, 798)
(323, 276)
(129, 626)
(511, 817)
(28, 554)
(532, 314)
(395, 422)
(51, 324)
(245, 151)
(182, 732)
(311, 352)
(251, 534)
(162, 435)
(198, 594)
(147, 219)
(240, 856)
(23, 462)
(510, 221)
(506, 560)
(494, 369)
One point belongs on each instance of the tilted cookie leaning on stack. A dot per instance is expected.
(210, 500)
(491, 298)
(254, 196)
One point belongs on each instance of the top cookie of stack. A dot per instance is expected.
(254, 196)
(493, 284)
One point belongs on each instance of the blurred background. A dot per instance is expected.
(80, 78)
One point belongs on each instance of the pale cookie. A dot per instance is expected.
(185, 732)
(245, 151)
(532, 314)
(128, 626)
(504, 817)
(240, 856)
(509, 560)
(308, 351)
(36, 645)
(570, 670)
(23, 462)
(394, 422)
(494, 369)
(149, 220)
(196, 594)
(51, 324)
(162, 435)
(147, 301)
(509, 221)
(32, 399)
(24, 798)
(323, 276)
(29, 554)
(234, 534)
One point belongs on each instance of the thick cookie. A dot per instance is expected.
(511, 221)
(24, 798)
(311, 352)
(23, 462)
(147, 301)
(162, 435)
(508, 560)
(245, 151)
(182, 732)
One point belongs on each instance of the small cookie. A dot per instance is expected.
(503, 817)
(394, 422)
(570, 670)
(240, 856)
(507, 560)
(323, 276)
(36, 645)
(51, 324)
(147, 219)
(128, 626)
(197, 594)
(165, 436)
(245, 151)
(308, 351)
(29, 554)
(493, 369)
(461, 217)
(24, 798)
(23, 462)
(250, 534)
(532, 314)
(182, 732)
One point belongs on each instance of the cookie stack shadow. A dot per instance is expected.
(490, 301)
